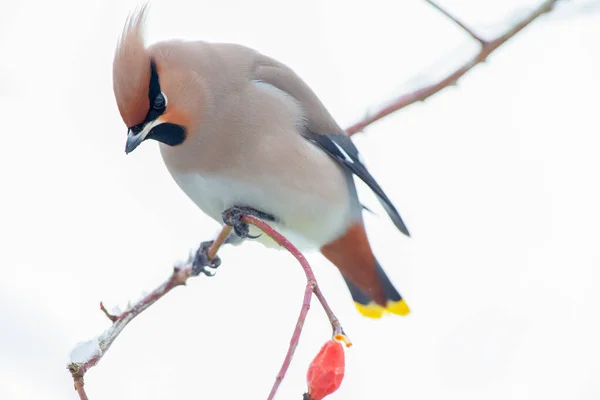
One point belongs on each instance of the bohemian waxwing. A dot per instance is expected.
(240, 131)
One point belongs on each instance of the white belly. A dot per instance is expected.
(306, 220)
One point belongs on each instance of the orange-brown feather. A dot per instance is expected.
(131, 70)
(175, 116)
(353, 256)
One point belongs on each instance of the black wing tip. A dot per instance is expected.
(358, 169)
(397, 219)
(403, 229)
(394, 215)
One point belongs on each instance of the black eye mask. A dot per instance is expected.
(167, 133)
(158, 103)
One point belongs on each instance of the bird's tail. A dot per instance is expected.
(369, 308)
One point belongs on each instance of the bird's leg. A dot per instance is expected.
(202, 261)
(233, 217)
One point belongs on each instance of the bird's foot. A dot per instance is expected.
(233, 217)
(202, 264)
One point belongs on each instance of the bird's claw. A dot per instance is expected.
(202, 262)
(233, 217)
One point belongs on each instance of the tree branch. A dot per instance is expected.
(487, 48)
(78, 381)
(86, 355)
(457, 22)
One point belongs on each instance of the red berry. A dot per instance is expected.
(326, 371)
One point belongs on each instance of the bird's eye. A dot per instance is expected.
(159, 102)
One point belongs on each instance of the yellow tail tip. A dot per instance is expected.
(374, 310)
(398, 307)
(371, 310)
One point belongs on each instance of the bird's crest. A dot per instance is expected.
(132, 69)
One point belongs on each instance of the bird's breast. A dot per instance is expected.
(308, 220)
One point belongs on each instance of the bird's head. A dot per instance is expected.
(154, 92)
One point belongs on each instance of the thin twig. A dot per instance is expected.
(219, 241)
(423, 93)
(311, 286)
(102, 343)
(294, 341)
(310, 276)
(457, 22)
(78, 381)
(110, 316)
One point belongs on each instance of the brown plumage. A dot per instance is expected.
(353, 253)
(131, 70)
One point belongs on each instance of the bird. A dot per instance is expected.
(242, 134)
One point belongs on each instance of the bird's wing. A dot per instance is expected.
(322, 129)
(341, 148)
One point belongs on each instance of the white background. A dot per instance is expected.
(497, 180)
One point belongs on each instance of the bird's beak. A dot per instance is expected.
(135, 139)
